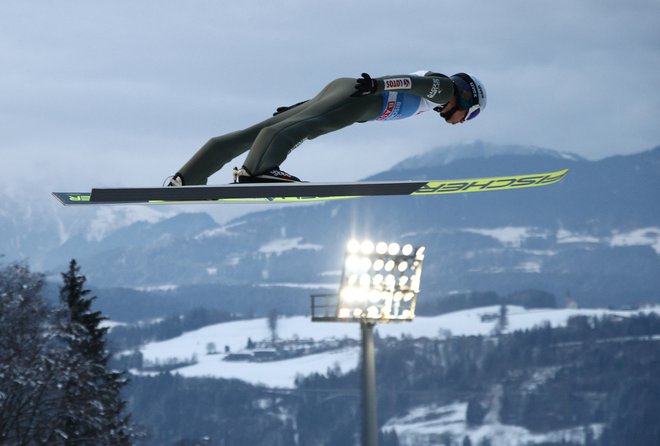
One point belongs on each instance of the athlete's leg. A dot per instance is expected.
(219, 150)
(332, 109)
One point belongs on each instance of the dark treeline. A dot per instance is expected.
(129, 305)
(200, 411)
(593, 372)
(475, 299)
(123, 337)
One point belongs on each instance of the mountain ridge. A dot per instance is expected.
(443, 156)
(603, 213)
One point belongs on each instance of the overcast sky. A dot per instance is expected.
(122, 93)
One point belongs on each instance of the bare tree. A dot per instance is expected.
(273, 316)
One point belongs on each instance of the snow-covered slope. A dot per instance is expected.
(282, 374)
(424, 424)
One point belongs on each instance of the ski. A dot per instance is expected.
(302, 192)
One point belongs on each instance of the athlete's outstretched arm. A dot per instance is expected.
(435, 87)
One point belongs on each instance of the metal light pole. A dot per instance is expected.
(379, 283)
(369, 422)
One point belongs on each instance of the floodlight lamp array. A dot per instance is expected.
(380, 281)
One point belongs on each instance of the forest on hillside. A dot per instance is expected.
(595, 372)
(597, 376)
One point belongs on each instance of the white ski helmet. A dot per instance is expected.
(470, 94)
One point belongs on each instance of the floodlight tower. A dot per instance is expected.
(379, 283)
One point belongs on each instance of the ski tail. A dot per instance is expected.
(72, 198)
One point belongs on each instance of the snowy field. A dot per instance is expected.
(423, 425)
(515, 236)
(427, 424)
(282, 374)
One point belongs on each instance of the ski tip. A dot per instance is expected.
(560, 174)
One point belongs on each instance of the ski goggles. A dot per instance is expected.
(473, 112)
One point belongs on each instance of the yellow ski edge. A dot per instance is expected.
(491, 183)
(258, 200)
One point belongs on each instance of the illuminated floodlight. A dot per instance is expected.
(365, 263)
(367, 247)
(380, 281)
(353, 247)
(365, 280)
(344, 313)
(393, 249)
(352, 262)
(373, 312)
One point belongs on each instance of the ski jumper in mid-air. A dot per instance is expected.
(343, 102)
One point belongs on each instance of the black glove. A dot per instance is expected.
(288, 107)
(365, 85)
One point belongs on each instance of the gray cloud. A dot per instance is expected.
(129, 90)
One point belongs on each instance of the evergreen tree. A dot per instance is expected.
(29, 369)
(388, 438)
(475, 413)
(502, 321)
(93, 411)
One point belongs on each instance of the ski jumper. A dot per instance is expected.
(335, 107)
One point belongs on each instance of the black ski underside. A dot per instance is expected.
(196, 193)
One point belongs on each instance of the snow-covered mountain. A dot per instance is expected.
(480, 150)
(593, 238)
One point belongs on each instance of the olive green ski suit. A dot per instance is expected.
(335, 107)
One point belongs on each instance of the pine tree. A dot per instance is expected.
(93, 411)
(502, 321)
(29, 369)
